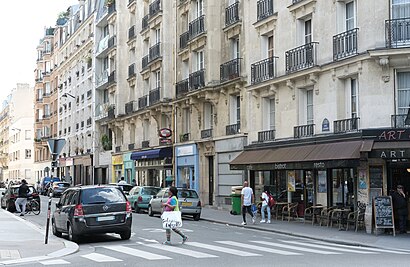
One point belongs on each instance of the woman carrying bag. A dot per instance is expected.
(172, 205)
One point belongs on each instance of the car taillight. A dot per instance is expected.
(140, 199)
(128, 207)
(199, 204)
(78, 210)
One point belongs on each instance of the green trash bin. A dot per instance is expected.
(236, 204)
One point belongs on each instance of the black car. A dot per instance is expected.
(10, 196)
(92, 209)
(58, 188)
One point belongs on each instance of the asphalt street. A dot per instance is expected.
(212, 244)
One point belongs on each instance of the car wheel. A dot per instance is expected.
(10, 208)
(136, 208)
(125, 235)
(71, 235)
(197, 217)
(150, 212)
(55, 231)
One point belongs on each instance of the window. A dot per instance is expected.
(400, 9)
(199, 8)
(28, 153)
(158, 79)
(403, 92)
(27, 134)
(235, 117)
(146, 130)
(105, 31)
(199, 57)
(27, 173)
(354, 96)
(272, 114)
(157, 36)
(350, 17)
(308, 31)
(186, 120)
(270, 46)
(235, 48)
(309, 107)
(208, 116)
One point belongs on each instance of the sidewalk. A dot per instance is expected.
(297, 228)
(21, 241)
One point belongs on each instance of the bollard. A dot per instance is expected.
(48, 218)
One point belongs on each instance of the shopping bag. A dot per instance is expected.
(254, 209)
(171, 219)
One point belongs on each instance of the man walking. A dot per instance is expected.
(23, 193)
(400, 207)
(247, 198)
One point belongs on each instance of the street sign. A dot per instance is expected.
(55, 146)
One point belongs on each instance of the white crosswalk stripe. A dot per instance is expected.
(297, 248)
(368, 249)
(54, 262)
(222, 249)
(352, 250)
(97, 257)
(182, 251)
(259, 248)
(137, 253)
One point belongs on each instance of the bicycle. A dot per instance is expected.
(32, 206)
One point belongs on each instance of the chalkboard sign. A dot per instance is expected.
(383, 212)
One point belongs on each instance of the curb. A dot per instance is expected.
(70, 247)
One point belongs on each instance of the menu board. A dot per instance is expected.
(383, 212)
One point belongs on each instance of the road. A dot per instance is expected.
(213, 244)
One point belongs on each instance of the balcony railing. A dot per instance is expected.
(154, 52)
(131, 146)
(145, 144)
(183, 40)
(196, 80)
(268, 135)
(154, 8)
(184, 137)
(347, 125)
(112, 41)
(232, 14)
(142, 102)
(131, 70)
(264, 9)
(397, 32)
(145, 22)
(233, 129)
(131, 33)
(263, 70)
(400, 121)
(182, 87)
(131, 107)
(206, 133)
(230, 70)
(301, 57)
(196, 27)
(345, 44)
(145, 62)
(111, 78)
(154, 96)
(303, 130)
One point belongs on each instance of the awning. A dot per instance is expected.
(296, 157)
(152, 153)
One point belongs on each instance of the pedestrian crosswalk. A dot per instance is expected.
(221, 249)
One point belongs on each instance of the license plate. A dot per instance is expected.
(186, 204)
(105, 218)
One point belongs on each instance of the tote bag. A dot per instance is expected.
(171, 219)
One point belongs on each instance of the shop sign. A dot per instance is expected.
(69, 162)
(165, 133)
(185, 151)
(390, 154)
(117, 160)
(325, 125)
(291, 181)
(387, 134)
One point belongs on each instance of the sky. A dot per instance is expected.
(22, 25)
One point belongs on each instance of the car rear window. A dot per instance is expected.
(31, 188)
(63, 184)
(126, 187)
(187, 194)
(150, 191)
(101, 195)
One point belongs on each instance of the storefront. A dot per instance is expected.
(64, 169)
(187, 166)
(83, 170)
(129, 168)
(117, 168)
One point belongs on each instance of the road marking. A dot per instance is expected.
(296, 248)
(328, 247)
(222, 249)
(54, 262)
(9, 254)
(369, 249)
(183, 251)
(137, 253)
(264, 249)
(97, 257)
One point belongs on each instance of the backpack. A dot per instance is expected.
(271, 201)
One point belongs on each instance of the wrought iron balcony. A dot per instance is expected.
(400, 121)
(397, 32)
(232, 14)
(154, 96)
(302, 57)
(347, 125)
(196, 80)
(111, 78)
(230, 70)
(145, 22)
(89, 122)
(131, 107)
(233, 129)
(145, 61)
(263, 70)
(112, 41)
(206, 133)
(345, 44)
(184, 137)
(142, 102)
(145, 144)
(131, 71)
(154, 52)
(131, 146)
(111, 112)
(196, 27)
(264, 9)
(183, 40)
(303, 130)
(182, 87)
(131, 33)
(268, 135)
(154, 8)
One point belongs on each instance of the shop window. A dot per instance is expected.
(376, 181)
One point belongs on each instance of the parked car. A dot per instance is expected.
(46, 183)
(58, 188)
(140, 196)
(189, 202)
(91, 209)
(126, 188)
(10, 196)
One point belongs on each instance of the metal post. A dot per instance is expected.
(48, 218)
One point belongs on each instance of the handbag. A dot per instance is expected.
(254, 209)
(171, 219)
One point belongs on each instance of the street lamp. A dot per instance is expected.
(67, 95)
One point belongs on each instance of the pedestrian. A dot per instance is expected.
(122, 181)
(23, 193)
(400, 208)
(265, 204)
(247, 199)
(172, 205)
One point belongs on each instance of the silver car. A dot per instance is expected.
(189, 202)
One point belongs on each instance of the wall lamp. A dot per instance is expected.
(67, 95)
